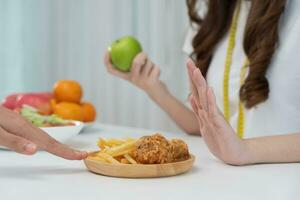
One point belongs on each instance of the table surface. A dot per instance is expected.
(45, 176)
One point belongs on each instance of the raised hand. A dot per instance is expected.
(219, 136)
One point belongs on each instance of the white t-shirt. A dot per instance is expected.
(280, 114)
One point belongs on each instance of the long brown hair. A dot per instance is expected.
(260, 40)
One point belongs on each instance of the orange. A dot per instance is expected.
(88, 111)
(53, 103)
(68, 110)
(67, 90)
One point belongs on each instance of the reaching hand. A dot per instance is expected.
(219, 136)
(21, 136)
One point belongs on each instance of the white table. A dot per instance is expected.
(44, 176)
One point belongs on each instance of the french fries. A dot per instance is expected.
(115, 151)
(130, 159)
(122, 149)
(108, 158)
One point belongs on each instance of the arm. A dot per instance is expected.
(145, 75)
(183, 116)
(222, 140)
(274, 149)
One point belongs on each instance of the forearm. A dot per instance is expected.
(274, 149)
(182, 115)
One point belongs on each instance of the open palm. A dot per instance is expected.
(219, 136)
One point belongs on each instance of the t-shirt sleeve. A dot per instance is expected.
(187, 45)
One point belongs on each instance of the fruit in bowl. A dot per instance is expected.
(65, 103)
(122, 52)
(59, 113)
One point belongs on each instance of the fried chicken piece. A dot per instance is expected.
(179, 150)
(153, 149)
(156, 149)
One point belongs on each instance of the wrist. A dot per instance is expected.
(243, 155)
(158, 91)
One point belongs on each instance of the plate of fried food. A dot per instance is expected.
(145, 157)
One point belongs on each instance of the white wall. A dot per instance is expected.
(46, 40)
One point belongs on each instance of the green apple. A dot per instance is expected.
(122, 52)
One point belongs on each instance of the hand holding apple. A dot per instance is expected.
(144, 74)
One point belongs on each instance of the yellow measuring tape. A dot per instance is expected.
(228, 62)
(241, 114)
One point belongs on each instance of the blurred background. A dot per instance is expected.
(42, 41)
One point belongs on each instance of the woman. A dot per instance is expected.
(247, 52)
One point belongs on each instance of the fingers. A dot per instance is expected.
(191, 67)
(214, 113)
(17, 143)
(49, 144)
(111, 69)
(194, 105)
(201, 86)
(18, 126)
(208, 128)
(147, 68)
(144, 71)
(52, 146)
(137, 65)
(195, 109)
(212, 105)
(154, 73)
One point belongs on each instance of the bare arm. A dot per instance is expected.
(274, 149)
(181, 114)
(145, 75)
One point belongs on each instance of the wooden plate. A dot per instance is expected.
(139, 171)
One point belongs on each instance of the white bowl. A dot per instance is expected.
(64, 133)
(87, 125)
